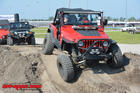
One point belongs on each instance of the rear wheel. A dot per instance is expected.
(0, 42)
(48, 45)
(10, 41)
(65, 67)
(117, 59)
(32, 41)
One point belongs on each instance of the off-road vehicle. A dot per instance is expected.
(20, 33)
(80, 33)
(4, 30)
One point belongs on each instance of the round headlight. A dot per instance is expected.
(27, 32)
(15, 33)
(105, 43)
(81, 43)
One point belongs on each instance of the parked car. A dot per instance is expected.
(129, 28)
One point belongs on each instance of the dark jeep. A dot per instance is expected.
(80, 33)
(20, 33)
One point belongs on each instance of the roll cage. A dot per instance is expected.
(61, 11)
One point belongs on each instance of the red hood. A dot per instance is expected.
(70, 34)
(3, 33)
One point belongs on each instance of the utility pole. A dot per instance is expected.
(87, 4)
(69, 4)
(126, 12)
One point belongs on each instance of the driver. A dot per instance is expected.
(85, 19)
(66, 19)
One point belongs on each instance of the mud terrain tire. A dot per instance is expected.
(31, 41)
(117, 60)
(65, 67)
(10, 41)
(0, 42)
(48, 45)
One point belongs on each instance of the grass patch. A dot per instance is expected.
(125, 37)
(40, 30)
(40, 35)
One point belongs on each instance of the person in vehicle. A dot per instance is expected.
(66, 19)
(85, 19)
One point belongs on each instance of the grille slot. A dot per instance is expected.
(88, 43)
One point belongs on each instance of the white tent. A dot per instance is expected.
(7, 17)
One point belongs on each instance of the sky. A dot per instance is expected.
(42, 9)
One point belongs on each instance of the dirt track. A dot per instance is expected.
(17, 61)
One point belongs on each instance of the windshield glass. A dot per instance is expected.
(4, 27)
(19, 25)
(82, 19)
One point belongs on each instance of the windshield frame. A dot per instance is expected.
(16, 26)
(98, 14)
(5, 25)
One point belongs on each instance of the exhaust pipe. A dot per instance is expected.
(16, 16)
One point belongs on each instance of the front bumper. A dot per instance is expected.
(22, 36)
(94, 53)
(90, 57)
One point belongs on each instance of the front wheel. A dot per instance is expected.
(10, 41)
(117, 58)
(0, 41)
(31, 41)
(65, 67)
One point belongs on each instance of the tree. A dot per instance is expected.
(138, 19)
(109, 18)
(122, 19)
(132, 19)
(50, 18)
(115, 19)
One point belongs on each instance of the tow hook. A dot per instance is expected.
(82, 64)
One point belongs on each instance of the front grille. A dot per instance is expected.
(98, 44)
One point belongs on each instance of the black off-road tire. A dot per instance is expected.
(48, 45)
(32, 41)
(0, 42)
(117, 59)
(10, 41)
(65, 67)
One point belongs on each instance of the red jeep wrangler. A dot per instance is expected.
(4, 30)
(81, 34)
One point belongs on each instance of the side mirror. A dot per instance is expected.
(105, 22)
(57, 21)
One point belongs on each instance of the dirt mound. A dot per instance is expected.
(26, 64)
(18, 69)
(99, 78)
